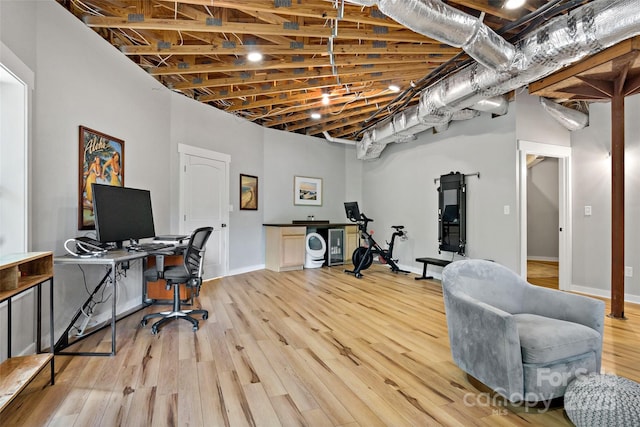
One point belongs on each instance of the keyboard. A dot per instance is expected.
(150, 247)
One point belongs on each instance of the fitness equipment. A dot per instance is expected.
(363, 256)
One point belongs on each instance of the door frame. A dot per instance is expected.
(189, 150)
(17, 142)
(563, 154)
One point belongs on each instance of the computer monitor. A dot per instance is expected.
(122, 213)
(352, 211)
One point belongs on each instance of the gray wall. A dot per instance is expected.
(287, 155)
(199, 125)
(592, 187)
(542, 210)
(399, 189)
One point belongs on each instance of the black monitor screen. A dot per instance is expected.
(122, 213)
(352, 211)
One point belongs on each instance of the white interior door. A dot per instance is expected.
(204, 200)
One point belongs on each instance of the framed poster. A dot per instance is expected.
(307, 191)
(248, 192)
(101, 160)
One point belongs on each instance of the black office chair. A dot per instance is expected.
(189, 273)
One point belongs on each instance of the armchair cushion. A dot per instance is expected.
(544, 340)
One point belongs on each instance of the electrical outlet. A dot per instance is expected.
(628, 271)
(587, 211)
(507, 209)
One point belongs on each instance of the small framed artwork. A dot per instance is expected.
(101, 160)
(307, 191)
(248, 192)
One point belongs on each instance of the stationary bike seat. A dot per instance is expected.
(398, 227)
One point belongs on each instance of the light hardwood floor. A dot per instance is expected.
(543, 273)
(312, 347)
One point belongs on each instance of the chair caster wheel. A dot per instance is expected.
(154, 331)
(358, 276)
(195, 328)
(143, 323)
(205, 316)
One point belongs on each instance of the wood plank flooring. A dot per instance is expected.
(305, 348)
(543, 273)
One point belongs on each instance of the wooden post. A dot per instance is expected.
(617, 205)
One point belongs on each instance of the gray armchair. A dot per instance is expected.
(523, 341)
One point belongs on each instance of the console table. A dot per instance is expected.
(20, 273)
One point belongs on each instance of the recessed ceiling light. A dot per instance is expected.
(254, 56)
(394, 88)
(315, 116)
(513, 4)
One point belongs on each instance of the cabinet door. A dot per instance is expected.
(351, 242)
(292, 250)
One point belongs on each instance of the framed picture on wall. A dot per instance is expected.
(101, 160)
(307, 191)
(248, 192)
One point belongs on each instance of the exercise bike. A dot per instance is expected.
(363, 256)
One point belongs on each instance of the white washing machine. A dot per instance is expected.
(315, 248)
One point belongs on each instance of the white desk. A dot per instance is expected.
(112, 259)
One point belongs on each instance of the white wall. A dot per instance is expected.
(535, 124)
(543, 210)
(399, 189)
(287, 155)
(592, 187)
(199, 125)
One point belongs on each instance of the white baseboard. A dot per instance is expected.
(248, 269)
(543, 258)
(603, 293)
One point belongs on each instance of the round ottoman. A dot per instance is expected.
(603, 400)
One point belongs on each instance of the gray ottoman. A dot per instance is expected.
(603, 400)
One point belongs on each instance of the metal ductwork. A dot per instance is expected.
(567, 117)
(449, 25)
(562, 41)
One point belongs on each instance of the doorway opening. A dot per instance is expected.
(540, 233)
(542, 221)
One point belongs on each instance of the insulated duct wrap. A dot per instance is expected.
(495, 105)
(567, 117)
(449, 25)
(562, 41)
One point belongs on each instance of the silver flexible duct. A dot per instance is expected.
(449, 25)
(562, 41)
(567, 117)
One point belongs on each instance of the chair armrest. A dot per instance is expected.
(485, 343)
(160, 260)
(565, 306)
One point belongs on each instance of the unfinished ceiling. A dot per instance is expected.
(333, 58)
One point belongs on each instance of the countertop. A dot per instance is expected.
(316, 224)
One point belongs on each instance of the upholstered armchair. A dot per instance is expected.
(523, 341)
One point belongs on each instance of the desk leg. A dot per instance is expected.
(51, 331)
(113, 309)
